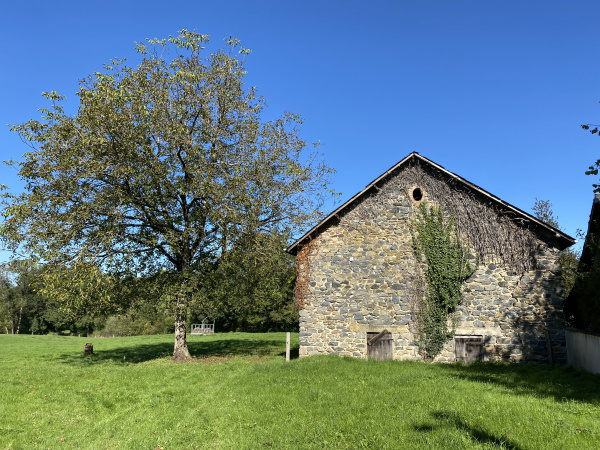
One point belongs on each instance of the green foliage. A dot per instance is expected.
(436, 245)
(8, 305)
(593, 170)
(592, 128)
(582, 309)
(163, 168)
(25, 309)
(251, 287)
(587, 288)
(21, 308)
(569, 263)
(144, 320)
(569, 259)
(241, 394)
(542, 209)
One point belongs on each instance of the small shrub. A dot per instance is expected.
(142, 321)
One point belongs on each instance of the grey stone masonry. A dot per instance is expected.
(362, 277)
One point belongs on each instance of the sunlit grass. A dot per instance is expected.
(241, 393)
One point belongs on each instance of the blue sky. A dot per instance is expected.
(494, 91)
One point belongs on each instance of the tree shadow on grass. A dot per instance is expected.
(214, 348)
(445, 419)
(561, 382)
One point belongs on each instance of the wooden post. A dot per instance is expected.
(287, 346)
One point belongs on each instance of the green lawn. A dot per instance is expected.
(242, 394)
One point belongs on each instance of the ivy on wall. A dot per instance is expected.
(446, 265)
(301, 291)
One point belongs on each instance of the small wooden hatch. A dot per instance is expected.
(380, 346)
(468, 348)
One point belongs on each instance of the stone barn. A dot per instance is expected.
(359, 285)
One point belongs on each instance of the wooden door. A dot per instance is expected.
(468, 348)
(380, 346)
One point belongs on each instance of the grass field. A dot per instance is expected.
(241, 394)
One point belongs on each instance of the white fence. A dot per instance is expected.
(583, 350)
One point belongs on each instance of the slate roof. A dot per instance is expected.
(564, 239)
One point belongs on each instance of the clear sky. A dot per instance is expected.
(493, 90)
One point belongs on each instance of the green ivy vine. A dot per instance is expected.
(436, 245)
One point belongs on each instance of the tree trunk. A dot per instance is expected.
(19, 323)
(181, 352)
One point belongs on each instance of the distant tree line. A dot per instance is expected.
(249, 288)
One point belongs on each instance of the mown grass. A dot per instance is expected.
(241, 393)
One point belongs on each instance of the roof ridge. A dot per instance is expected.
(415, 155)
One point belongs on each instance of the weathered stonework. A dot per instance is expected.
(360, 276)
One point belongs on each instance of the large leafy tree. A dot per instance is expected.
(159, 172)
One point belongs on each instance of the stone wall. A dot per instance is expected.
(361, 276)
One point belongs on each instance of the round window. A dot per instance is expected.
(417, 194)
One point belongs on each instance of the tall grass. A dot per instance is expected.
(241, 393)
